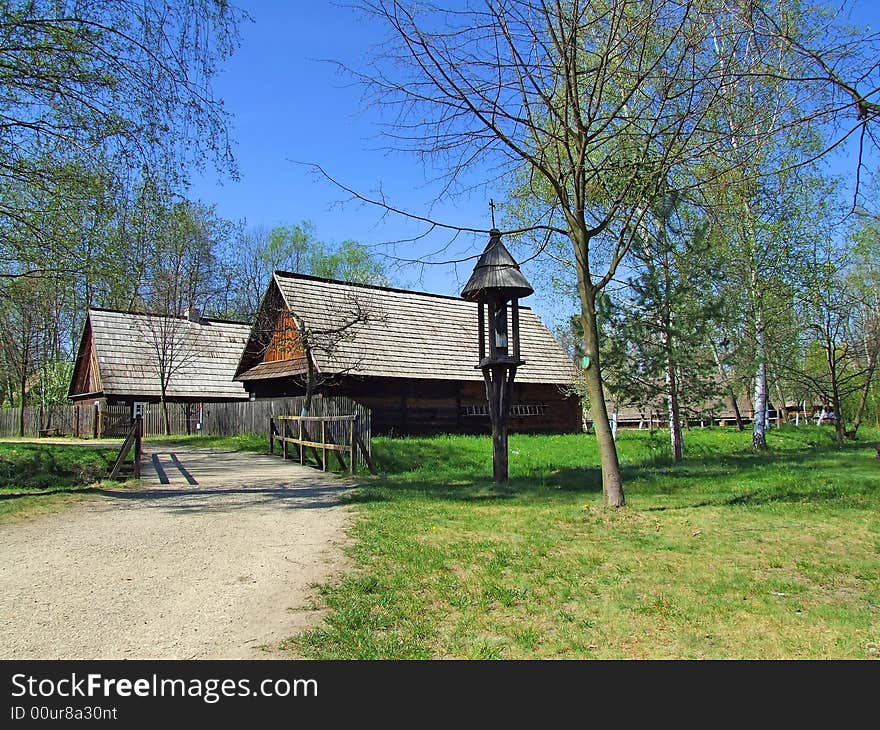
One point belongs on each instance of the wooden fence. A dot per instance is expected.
(37, 419)
(208, 419)
(337, 434)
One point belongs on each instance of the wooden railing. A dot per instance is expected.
(281, 428)
(134, 438)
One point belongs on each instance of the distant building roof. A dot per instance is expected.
(121, 346)
(406, 334)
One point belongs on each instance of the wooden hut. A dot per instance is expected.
(124, 357)
(411, 357)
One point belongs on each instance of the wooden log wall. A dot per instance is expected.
(402, 407)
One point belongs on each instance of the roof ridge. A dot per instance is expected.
(174, 316)
(376, 287)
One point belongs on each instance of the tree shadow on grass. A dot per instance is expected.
(50, 491)
(802, 496)
(655, 474)
(481, 489)
(762, 497)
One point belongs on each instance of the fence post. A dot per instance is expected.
(353, 442)
(299, 435)
(324, 445)
(138, 446)
(283, 439)
(271, 435)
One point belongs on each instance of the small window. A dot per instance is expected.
(518, 409)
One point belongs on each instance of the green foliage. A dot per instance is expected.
(665, 319)
(730, 554)
(250, 257)
(109, 87)
(349, 261)
(52, 383)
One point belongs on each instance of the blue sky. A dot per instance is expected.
(290, 105)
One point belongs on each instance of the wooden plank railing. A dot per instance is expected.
(281, 428)
(134, 438)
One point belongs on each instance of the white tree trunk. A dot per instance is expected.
(759, 428)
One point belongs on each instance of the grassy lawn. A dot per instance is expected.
(730, 554)
(38, 477)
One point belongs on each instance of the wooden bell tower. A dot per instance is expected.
(496, 285)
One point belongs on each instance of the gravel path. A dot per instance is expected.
(224, 569)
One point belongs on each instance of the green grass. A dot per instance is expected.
(39, 477)
(730, 554)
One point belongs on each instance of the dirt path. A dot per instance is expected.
(222, 569)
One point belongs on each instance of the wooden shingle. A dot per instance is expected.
(407, 334)
(124, 351)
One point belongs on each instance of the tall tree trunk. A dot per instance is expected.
(866, 389)
(672, 402)
(839, 425)
(166, 419)
(22, 394)
(740, 426)
(612, 483)
(759, 427)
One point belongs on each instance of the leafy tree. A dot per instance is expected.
(864, 282)
(253, 255)
(595, 106)
(839, 308)
(112, 85)
(26, 334)
(349, 261)
(669, 313)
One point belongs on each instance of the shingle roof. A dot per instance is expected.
(496, 270)
(277, 369)
(209, 351)
(411, 334)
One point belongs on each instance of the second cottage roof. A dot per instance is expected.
(406, 334)
(123, 348)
